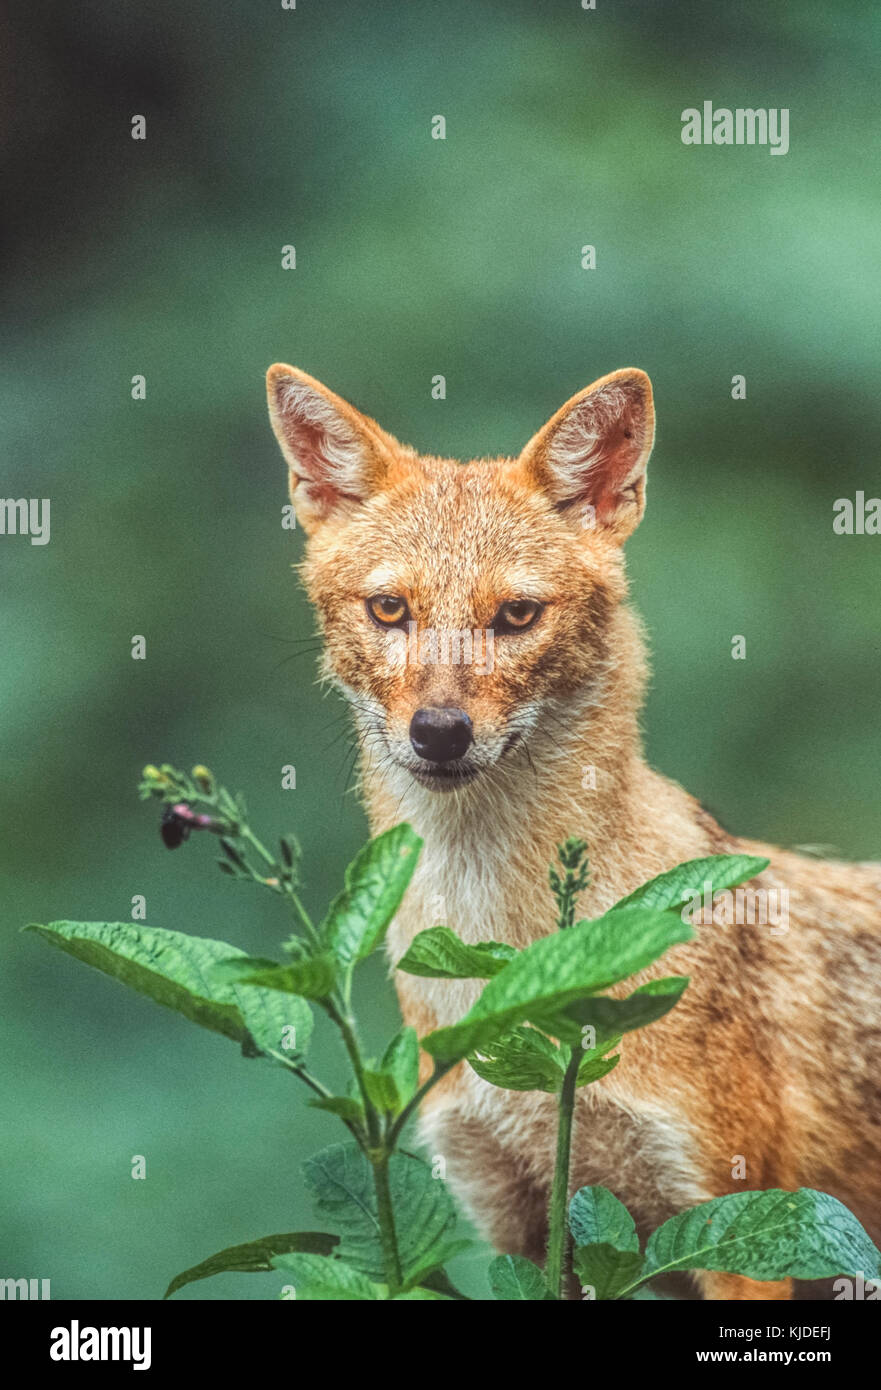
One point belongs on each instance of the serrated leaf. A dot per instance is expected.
(439, 953)
(678, 886)
(235, 969)
(343, 1106)
(317, 1278)
(605, 1270)
(558, 970)
(522, 1060)
(765, 1235)
(341, 1182)
(376, 881)
(645, 1005)
(595, 1068)
(400, 1061)
(596, 1216)
(514, 1278)
(312, 977)
(595, 1064)
(176, 970)
(383, 1092)
(254, 1256)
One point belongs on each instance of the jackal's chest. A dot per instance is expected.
(483, 894)
(479, 894)
(475, 913)
(644, 1156)
(624, 1139)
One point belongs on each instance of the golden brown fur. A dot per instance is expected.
(774, 1053)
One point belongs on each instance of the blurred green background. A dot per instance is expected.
(414, 257)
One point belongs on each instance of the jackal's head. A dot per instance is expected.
(464, 607)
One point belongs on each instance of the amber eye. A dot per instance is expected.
(517, 615)
(387, 610)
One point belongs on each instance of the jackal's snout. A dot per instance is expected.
(441, 733)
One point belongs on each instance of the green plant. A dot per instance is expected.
(542, 1022)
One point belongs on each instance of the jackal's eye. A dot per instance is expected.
(387, 610)
(517, 615)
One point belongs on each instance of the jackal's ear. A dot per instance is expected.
(590, 457)
(337, 457)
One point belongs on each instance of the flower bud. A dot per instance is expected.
(203, 778)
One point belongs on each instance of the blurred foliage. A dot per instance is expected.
(414, 256)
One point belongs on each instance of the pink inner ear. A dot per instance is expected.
(312, 466)
(597, 453)
(325, 454)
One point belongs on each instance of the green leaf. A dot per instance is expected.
(426, 1271)
(595, 1068)
(344, 1106)
(383, 1092)
(313, 977)
(522, 1060)
(514, 1278)
(316, 1278)
(176, 970)
(375, 884)
(236, 969)
(400, 1064)
(341, 1182)
(678, 886)
(556, 971)
(605, 1270)
(644, 1005)
(254, 1256)
(597, 1217)
(595, 1064)
(765, 1235)
(440, 954)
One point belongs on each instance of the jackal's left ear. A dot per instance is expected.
(336, 456)
(590, 457)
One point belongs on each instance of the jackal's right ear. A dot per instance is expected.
(336, 456)
(590, 458)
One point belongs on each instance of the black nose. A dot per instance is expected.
(440, 733)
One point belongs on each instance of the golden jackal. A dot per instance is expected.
(774, 1054)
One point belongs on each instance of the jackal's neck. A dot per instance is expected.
(487, 847)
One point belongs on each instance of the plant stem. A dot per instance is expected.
(311, 1081)
(320, 1090)
(440, 1070)
(378, 1152)
(305, 920)
(385, 1214)
(286, 888)
(558, 1230)
(350, 1042)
